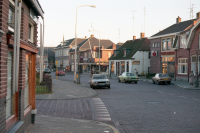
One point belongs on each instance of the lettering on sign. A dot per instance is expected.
(136, 63)
(167, 53)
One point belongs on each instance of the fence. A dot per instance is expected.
(45, 87)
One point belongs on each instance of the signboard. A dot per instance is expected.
(153, 53)
(136, 63)
(167, 53)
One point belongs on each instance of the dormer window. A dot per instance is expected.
(116, 52)
(126, 51)
(183, 41)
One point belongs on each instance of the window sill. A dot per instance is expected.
(30, 40)
(10, 121)
(28, 109)
(11, 29)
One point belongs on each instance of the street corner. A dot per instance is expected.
(55, 124)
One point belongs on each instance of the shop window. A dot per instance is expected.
(182, 66)
(26, 90)
(164, 67)
(183, 41)
(164, 45)
(10, 98)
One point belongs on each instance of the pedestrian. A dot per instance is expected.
(191, 80)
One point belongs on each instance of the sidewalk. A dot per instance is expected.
(67, 90)
(182, 84)
(46, 124)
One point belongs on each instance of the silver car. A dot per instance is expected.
(99, 80)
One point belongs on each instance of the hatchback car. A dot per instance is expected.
(161, 78)
(99, 80)
(128, 77)
(47, 70)
(60, 73)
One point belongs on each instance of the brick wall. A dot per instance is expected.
(27, 123)
(2, 116)
(155, 61)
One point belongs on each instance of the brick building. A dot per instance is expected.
(88, 54)
(17, 106)
(163, 54)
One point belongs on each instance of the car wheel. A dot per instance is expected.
(135, 82)
(124, 81)
(169, 82)
(153, 82)
(108, 87)
(119, 80)
(158, 83)
(92, 87)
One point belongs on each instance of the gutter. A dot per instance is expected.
(170, 34)
(37, 7)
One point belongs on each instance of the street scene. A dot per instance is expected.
(99, 66)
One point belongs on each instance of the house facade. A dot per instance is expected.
(17, 106)
(163, 53)
(88, 55)
(132, 56)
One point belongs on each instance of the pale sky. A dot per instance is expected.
(111, 15)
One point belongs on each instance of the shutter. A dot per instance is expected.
(9, 87)
(26, 90)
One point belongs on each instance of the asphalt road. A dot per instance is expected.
(146, 107)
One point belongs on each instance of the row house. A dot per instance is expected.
(62, 53)
(17, 104)
(164, 47)
(88, 55)
(132, 56)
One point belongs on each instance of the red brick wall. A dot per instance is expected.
(4, 9)
(22, 69)
(155, 61)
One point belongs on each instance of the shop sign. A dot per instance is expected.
(136, 63)
(167, 53)
(153, 53)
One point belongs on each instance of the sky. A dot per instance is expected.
(112, 18)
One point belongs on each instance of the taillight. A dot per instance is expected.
(137, 78)
(161, 79)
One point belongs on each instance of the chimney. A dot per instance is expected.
(178, 20)
(134, 37)
(142, 35)
(85, 36)
(198, 15)
(114, 46)
(92, 35)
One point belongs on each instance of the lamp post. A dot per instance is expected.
(94, 6)
(99, 49)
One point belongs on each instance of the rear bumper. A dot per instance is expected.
(132, 80)
(98, 85)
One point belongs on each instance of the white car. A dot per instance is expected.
(99, 80)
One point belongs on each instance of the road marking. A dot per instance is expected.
(182, 96)
(101, 110)
(195, 99)
(160, 91)
(171, 94)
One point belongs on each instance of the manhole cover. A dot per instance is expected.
(153, 102)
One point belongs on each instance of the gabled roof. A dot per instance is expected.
(134, 45)
(72, 42)
(178, 27)
(95, 42)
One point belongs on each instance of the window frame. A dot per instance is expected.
(31, 32)
(185, 40)
(152, 45)
(179, 64)
(164, 41)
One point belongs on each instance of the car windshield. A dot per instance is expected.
(99, 77)
(130, 74)
(163, 75)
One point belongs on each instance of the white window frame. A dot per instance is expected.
(179, 64)
(32, 32)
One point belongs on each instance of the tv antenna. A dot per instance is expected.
(144, 19)
(133, 21)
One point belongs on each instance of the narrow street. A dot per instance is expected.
(146, 107)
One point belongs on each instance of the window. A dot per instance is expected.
(164, 45)
(11, 16)
(96, 54)
(182, 66)
(30, 32)
(72, 56)
(168, 44)
(124, 52)
(85, 55)
(89, 55)
(152, 45)
(183, 41)
(193, 64)
(155, 45)
(109, 54)
(167, 59)
(26, 90)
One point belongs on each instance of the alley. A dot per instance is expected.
(146, 107)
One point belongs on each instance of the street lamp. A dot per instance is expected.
(94, 6)
(99, 48)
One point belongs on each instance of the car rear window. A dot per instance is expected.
(99, 77)
(163, 75)
(130, 74)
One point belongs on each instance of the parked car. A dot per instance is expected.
(99, 80)
(38, 70)
(161, 78)
(60, 73)
(128, 77)
(47, 70)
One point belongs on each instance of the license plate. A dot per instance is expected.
(101, 84)
(165, 79)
